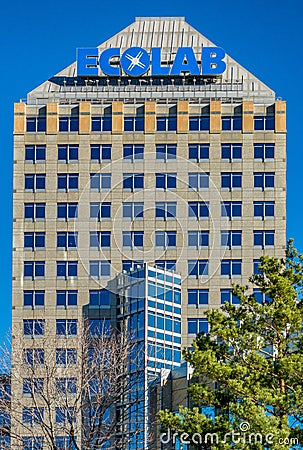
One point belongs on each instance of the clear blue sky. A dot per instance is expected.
(38, 39)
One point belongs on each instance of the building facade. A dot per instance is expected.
(179, 169)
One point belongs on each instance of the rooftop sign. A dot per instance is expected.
(136, 61)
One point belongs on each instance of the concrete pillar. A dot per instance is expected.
(150, 117)
(84, 118)
(280, 116)
(215, 117)
(19, 118)
(182, 117)
(248, 117)
(52, 119)
(117, 117)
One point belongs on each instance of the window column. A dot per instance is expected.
(52, 118)
(117, 117)
(215, 117)
(248, 117)
(280, 116)
(84, 117)
(182, 117)
(19, 118)
(150, 117)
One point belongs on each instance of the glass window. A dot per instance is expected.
(133, 210)
(197, 268)
(231, 209)
(135, 123)
(197, 296)
(33, 356)
(67, 181)
(199, 123)
(66, 327)
(231, 180)
(166, 264)
(132, 239)
(264, 151)
(100, 210)
(99, 269)
(132, 181)
(166, 151)
(198, 238)
(166, 180)
(35, 153)
(67, 211)
(231, 267)
(229, 297)
(68, 124)
(264, 123)
(67, 239)
(67, 269)
(103, 123)
(264, 209)
(264, 180)
(32, 443)
(34, 269)
(66, 356)
(99, 298)
(198, 209)
(165, 239)
(66, 299)
(167, 123)
(68, 153)
(99, 327)
(65, 386)
(231, 238)
(195, 326)
(100, 181)
(33, 327)
(100, 239)
(33, 240)
(231, 151)
(166, 210)
(34, 182)
(99, 153)
(198, 180)
(264, 238)
(198, 152)
(133, 151)
(35, 124)
(231, 123)
(34, 211)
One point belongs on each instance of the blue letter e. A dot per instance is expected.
(87, 64)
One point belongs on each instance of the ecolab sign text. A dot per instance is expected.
(136, 61)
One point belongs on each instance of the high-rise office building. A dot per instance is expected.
(155, 147)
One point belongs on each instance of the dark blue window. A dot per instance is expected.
(68, 153)
(199, 123)
(101, 152)
(35, 124)
(231, 151)
(256, 266)
(66, 327)
(133, 123)
(99, 298)
(133, 210)
(35, 153)
(264, 180)
(197, 268)
(70, 123)
(231, 180)
(231, 209)
(129, 264)
(133, 181)
(198, 239)
(34, 240)
(166, 151)
(133, 151)
(264, 237)
(33, 327)
(198, 209)
(166, 210)
(99, 327)
(67, 298)
(103, 123)
(34, 211)
(34, 181)
(100, 210)
(264, 209)
(67, 268)
(99, 269)
(133, 239)
(231, 267)
(67, 239)
(100, 239)
(67, 210)
(229, 297)
(33, 356)
(264, 122)
(34, 269)
(166, 239)
(67, 181)
(196, 326)
(33, 298)
(166, 180)
(231, 123)
(198, 151)
(197, 296)
(231, 238)
(166, 264)
(168, 123)
(264, 151)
